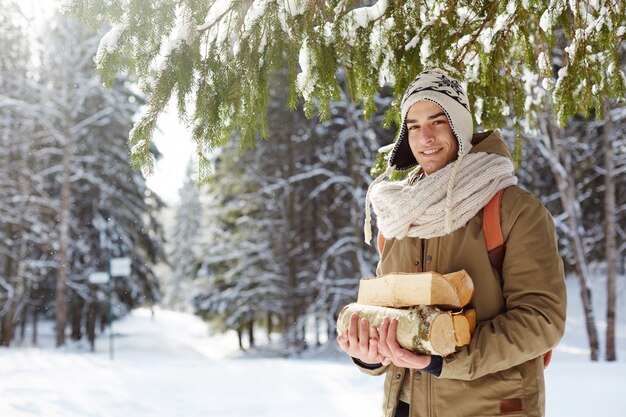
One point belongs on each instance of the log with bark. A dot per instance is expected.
(450, 291)
(421, 329)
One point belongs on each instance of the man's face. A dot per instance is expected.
(430, 136)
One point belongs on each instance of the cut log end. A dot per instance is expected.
(442, 335)
(463, 285)
(464, 325)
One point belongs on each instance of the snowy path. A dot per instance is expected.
(169, 367)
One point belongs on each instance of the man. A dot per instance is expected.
(432, 221)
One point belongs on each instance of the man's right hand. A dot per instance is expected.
(361, 342)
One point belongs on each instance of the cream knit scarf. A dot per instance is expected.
(438, 204)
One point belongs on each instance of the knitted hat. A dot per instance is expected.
(447, 93)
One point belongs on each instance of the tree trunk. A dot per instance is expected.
(302, 343)
(7, 326)
(8, 309)
(23, 319)
(269, 327)
(90, 325)
(567, 193)
(35, 323)
(610, 226)
(293, 300)
(250, 325)
(331, 327)
(64, 226)
(318, 330)
(77, 317)
(240, 336)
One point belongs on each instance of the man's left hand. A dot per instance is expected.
(391, 351)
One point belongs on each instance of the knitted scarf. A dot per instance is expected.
(438, 204)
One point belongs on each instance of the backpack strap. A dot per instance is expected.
(381, 243)
(493, 232)
(495, 243)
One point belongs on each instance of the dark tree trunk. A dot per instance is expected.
(293, 301)
(64, 230)
(318, 341)
(7, 326)
(250, 326)
(240, 337)
(610, 226)
(35, 323)
(90, 325)
(23, 319)
(77, 317)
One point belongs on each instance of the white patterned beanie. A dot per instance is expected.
(443, 90)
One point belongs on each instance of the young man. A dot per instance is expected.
(432, 221)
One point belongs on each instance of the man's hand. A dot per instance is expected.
(391, 351)
(372, 347)
(360, 343)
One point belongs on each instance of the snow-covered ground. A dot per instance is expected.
(170, 367)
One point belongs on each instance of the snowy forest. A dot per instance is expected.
(70, 201)
(276, 238)
(267, 238)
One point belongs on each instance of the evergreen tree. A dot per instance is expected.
(237, 277)
(26, 209)
(185, 236)
(70, 200)
(284, 222)
(219, 55)
(569, 168)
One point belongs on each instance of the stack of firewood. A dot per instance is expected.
(429, 308)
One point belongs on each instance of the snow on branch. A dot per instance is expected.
(109, 42)
(217, 11)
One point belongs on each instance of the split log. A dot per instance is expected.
(464, 325)
(452, 290)
(421, 329)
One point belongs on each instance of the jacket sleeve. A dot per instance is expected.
(533, 287)
(375, 370)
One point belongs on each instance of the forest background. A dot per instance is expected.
(273, 237)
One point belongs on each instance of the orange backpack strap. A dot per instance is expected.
(381, 243)
(493, 231)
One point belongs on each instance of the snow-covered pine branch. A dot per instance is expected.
(219, 56)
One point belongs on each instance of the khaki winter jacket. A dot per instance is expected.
(521, 315)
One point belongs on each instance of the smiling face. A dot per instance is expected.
(430, 136)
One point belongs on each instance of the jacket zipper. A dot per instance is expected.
(412, 376)
(423, 243)
(429, 399)
(430, 393)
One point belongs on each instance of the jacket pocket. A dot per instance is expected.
(480, 397)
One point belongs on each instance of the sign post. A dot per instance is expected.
(118, 267)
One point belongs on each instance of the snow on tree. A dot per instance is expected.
(344, 149)
(282, 239)
(26, 210)
(74, 202)
(185, 236)
(219, 55)
(237, 276)
(572, 169)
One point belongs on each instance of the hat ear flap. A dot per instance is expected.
(401, 155)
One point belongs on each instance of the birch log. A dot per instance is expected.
(421, 329)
